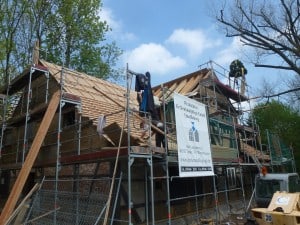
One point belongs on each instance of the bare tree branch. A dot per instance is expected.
(273, 27)
(274, 67)
(291, 22)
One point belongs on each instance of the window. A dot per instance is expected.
(266, 188)
(294, 185)
(231, 178)
(68, 118)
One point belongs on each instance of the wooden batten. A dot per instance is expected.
(147, 150)
(71, 97)
(36, 53)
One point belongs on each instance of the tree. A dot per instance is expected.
(290, 96)
(270, 27)
(280, 119)
(10, 17)
(32, 28)
(75, 35)
(70, 33)
(294, 97)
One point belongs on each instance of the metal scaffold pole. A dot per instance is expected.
(147, 158)
(4, 114)
(28, 99)
(166, 157)
(58, 145)
(130, 160)
(216, 200)
(3, 127)
(239, 166)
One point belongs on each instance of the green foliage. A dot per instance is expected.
(280, 119)
(70, 33)
(10, 17)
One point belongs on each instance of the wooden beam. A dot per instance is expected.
(36, 53)
(193, 85)
(180, 86)
(169, 92)
(186, 87)
(29, 161)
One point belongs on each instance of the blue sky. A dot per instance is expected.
(171, 38)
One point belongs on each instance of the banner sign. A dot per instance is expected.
(193, 142)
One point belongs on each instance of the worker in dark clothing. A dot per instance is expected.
(160, 137)
(146, 105)
(145, 95)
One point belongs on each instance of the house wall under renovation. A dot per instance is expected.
(100, 148)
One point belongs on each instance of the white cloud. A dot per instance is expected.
(154, 58)
(195, 41)
(106, 14)
(232, 52)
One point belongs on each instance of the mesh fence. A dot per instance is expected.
(79, 202)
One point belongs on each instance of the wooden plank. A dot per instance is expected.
(253, 152)
(193, 85)
(189, 83)
(71, 97)
(147, 150)
(157, 92)
(180, 86)
(169, 91)
(32, 154)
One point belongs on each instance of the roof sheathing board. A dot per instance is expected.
(169, 92)
(81, 81)
(196, 83)
(182, 85)
(187, 87)
(178, 80)
(93, 102)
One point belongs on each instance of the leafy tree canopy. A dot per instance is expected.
(70, 33)
(280, 119)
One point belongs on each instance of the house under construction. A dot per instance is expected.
(76, 149)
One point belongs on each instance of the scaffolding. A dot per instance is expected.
(171, 160)
(222, 130)
(151, 157)
(85, 197)
(46, 202)
(3, 124)
(235, 122)
(28, 100)
(282, 156)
